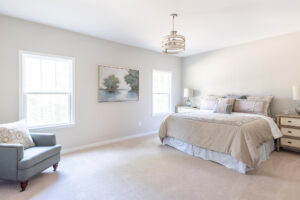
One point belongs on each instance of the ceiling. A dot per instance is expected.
(206, 24)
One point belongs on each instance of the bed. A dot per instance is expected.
(239, 141)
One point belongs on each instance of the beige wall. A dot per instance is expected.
(265, 67)
(95, 121)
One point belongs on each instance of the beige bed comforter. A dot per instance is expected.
(237, 135)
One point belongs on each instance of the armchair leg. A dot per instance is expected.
(23, 185)
(55, 166)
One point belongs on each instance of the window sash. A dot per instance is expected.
(168, 109)
(69, 107)
(41, 85)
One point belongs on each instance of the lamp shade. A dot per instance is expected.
(187, 92)
(296, 92)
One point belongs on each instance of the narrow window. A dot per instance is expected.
(161, 94)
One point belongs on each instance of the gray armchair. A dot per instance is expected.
(17, 164)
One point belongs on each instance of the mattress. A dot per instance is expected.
(222, 158)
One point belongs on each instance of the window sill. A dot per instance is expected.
(52, 127)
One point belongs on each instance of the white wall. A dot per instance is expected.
(95, 121)
(265, 67)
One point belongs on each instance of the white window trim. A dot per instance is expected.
(21, 93)
(152, 92)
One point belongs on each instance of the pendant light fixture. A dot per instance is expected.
(173, 43)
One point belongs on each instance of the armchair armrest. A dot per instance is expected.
(43, 139)
(10, 155)
(16, 149)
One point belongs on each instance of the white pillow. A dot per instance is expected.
(16, 133)
(268, 99)
(224, 105)
(209, 102)
(251, 106)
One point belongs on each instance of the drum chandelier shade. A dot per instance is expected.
(173, 43)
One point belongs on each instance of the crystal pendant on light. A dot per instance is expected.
(173, 43)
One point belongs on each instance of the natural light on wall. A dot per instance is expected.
(46, 90)
(161, 97)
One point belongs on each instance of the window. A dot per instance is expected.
(161, 97)
(46, 98)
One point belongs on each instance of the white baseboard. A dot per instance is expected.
(97, 144)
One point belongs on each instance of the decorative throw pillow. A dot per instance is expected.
(224, 105)
(226, 101)
(251, 106)
(16, 133)
(223, 108)
(268, 99)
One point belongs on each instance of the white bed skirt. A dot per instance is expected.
(222, 158)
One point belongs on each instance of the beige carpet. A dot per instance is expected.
(144, 169)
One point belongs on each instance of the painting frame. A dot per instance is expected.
(102, 97)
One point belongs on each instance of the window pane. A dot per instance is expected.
(32, 74)
(155, 81)
(161, 103)
(161, 81)
(63, 73)
(48, 75)
(47, 109)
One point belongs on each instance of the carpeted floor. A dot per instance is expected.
(144, 169)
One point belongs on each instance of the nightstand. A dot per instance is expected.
(290, 129)
(182, 109)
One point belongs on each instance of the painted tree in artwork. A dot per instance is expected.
(132, 79)
(111, 83)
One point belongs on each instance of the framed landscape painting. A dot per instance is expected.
(117, 84)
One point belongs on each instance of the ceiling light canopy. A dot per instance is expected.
(173, 43)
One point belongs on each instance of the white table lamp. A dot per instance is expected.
(187, 93)
(296, 96)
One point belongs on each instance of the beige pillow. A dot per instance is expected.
(251, 106)
(16, 133)
(226, 101)
(268, 99)
(208, 103)
(224, 105)
(224, 108)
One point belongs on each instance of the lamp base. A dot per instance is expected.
(188, 102)
(297, 109)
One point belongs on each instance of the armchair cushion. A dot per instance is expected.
(35, 155)
(25, 174)
(43, 139)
